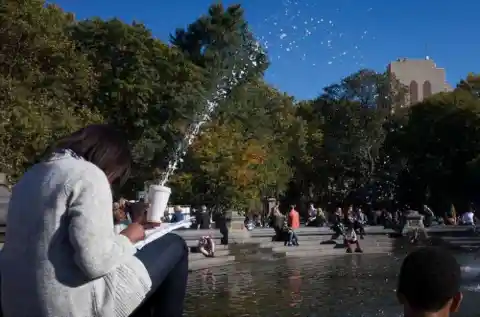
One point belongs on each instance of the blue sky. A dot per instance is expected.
(312, 43)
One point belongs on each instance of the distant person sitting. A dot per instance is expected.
(337, 226)
(206, 246)
(351, 239)
(429, 284)
(451, 216)
(468, 218)
(121, 218)
(177, 215)
(119, 214)
(289, 236)
(312, 216)
(166, 216)
(359, 222)
(321, 217)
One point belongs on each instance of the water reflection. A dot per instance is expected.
(351, 285)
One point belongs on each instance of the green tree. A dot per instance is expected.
(471, 84)
(346, 133)
(43, 82)
(144, 86)
(222, 43)
(242, 156)
(441, 143)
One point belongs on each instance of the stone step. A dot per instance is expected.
(469, 247)
(466, 242)
(366, 240)
(317, 244)
(471, 238)
(325, 247)
(327, 238)
(304, 239)
(210, 262)
(194, 243)
(292, 252)
(199, 256)
(460, 238)
(306, 236)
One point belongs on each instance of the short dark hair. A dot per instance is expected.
(104, 146)
(429, 278)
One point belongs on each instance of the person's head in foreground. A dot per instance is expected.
(429, 283)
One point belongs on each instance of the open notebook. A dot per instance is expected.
(163, 229)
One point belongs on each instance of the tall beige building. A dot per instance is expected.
(422, 77)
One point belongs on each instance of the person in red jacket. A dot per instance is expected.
(293, 224)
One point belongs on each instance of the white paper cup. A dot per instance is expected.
(158, 198)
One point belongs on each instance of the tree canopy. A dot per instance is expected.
(354, 143)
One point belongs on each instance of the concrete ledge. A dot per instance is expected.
(327, 247)
(335, 252)
(313, 243)
(199, 256)
(469, 243)
(320, 231)
(210, 262)
(302, 239)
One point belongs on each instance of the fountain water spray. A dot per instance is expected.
(159, 194)
(227, 83)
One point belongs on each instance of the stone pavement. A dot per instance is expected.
(467, 243)
(314, 242)
(314, 231)
(262, 248)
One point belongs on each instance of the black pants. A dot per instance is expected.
(224, 232)
(358, 226)
(278, 234)
(224, 239)
(166, 260)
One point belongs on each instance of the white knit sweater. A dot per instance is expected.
(61, 256)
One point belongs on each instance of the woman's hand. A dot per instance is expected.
(135, 232)
(138, 212)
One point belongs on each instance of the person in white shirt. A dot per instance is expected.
(468, 218)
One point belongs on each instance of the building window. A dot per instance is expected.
(427, 89)
(413, 92)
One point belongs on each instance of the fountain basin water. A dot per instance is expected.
(350, 285)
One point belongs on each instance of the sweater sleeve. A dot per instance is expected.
(97, 249)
